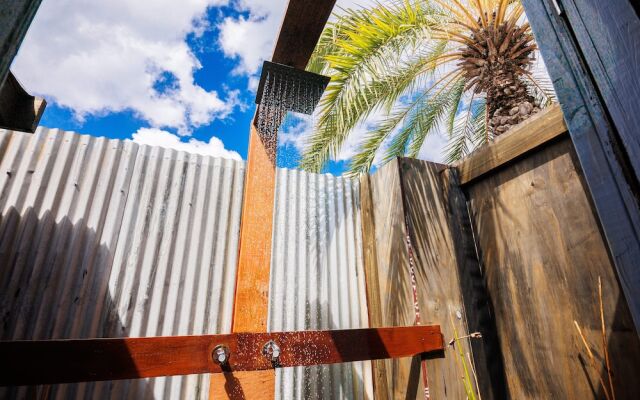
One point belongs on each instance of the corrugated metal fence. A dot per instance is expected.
(317, 277)
(107, 238)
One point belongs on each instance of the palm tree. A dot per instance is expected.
(462, 66)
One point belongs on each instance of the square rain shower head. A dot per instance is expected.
(290, 89)
(282, 89)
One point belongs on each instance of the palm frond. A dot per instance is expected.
(370, 45)
(468, 132)
(415, 119)
(423, 51)
(422, 121)
(540, 86)
(449, 110)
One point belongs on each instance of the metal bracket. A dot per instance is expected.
(558, 6)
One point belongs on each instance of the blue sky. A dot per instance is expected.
(176, 74)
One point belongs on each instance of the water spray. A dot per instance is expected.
(282, 89)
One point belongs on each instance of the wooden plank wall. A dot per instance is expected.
(443, 249)
(394, 281)
(587, 48)
(542, 253)
(448, 278)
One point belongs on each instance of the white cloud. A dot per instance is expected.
(97, 57)
(251, 39)
(158, 137)
(433, 147)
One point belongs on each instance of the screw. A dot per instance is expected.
(271, 350)
(221, 354)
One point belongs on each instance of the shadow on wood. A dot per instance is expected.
(18, 109)
(542, 252)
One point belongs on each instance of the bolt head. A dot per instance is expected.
(221, 354)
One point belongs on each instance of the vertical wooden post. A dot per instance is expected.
(372, 280)
(15, 18)
(302, 25)
(252, 280)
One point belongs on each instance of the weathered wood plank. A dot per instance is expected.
(251, 304)
(18, 109)
(607, 171)
(301, 28)
(445, 266)
(15, 18)
(521, 139)
(370, 261)
(608, 34)
(477, 303)
(542, 254)
(30, 362)
(252, 282)
(394, 280)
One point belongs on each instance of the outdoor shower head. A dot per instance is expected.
(289, 88)
(282, 89)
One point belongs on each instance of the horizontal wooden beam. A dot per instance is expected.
(521, 139)
(301, 28)
(81, 360)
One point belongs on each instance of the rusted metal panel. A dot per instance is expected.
(27, 362)
(106, 238)
(317, 278)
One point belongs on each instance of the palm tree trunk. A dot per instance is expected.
(508, 104)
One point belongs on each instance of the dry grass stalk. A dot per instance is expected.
(592, 360)
(461, 363)
(604, 341)
(475, 376)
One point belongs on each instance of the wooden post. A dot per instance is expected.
(301, 28)
(586, 51)
(372, 280)
(251, 305)
(18, 109)
(15, 18)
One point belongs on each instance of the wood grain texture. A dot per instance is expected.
(609, 37)
(15, 18)
(243, 385)
(607, 169)
(370, 261)
(448, 280)
(542, 253)
(252, 281)
(32, 362)
(301, 28)
(18, 109)
(394, 280)
(534, 132)
(251, 305)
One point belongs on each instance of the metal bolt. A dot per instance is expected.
(271, 350)
(221, 354)
(458, 314)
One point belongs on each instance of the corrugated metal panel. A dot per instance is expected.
(106, 238)
(317, 277)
